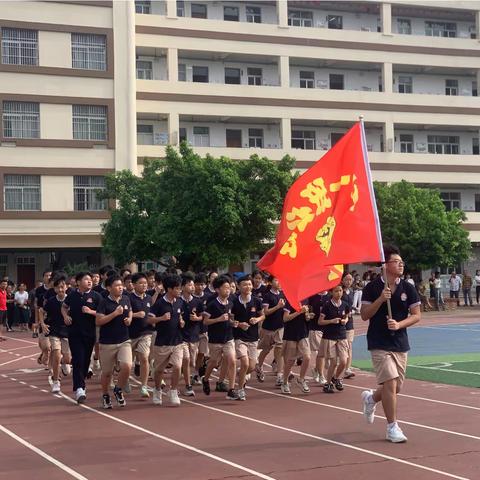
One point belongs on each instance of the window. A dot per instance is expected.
(85, 191)
(255, 76)
(22, 192)
(89, 122)
(335, 137)
(474, 89)
(182, 134)
(89, 52)
(200, 74)
(440, 29)
(232, 76)
(255, 137)
(451, 200)
(304, 139)
(144, 70)
(406, 143)
(404, 26)
(300, 18)
(335, 22)
(336, 81)
(254, 14)
(142, 6)
(307, 79)
(199, 10)
(231, 14)
(201, 136)
(477, 202)
(19, 47)
(443, 144)
(182, 72)
(451, 87)
(21, 120)
(180, 8)
(405, 84)
(144, 134)
(475, 147)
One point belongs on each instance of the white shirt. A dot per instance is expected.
(455, 284)
(21, 298)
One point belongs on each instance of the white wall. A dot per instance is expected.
(54, 49)
(421, 138)
(435, 84)
(159, 66)
(418, 26)
(56, 121)
(57, 193)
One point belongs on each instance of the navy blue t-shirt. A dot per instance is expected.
(140, 326)
(316, 303)
(260, 291)
(348, 299)
(297, 328)
(243, 313)
(220, 332)
(53, 309)
(169, 332)
(82, 323)
(334, 331)
(115, 331)
(40, 295)
(274, 320)
(191, 330)
(379, 337)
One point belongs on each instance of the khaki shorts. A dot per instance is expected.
(314, 338)
(270, 338)
(190, 351)
(57, 343)
(203, 344)
(246, 349)
(217, 350)
(292, 350)
(334, 349)
(350, 335)
(43, 342)
(389, 365)
(166, 354)
(142, 344)
(110, 354)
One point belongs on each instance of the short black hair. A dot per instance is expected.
(200, 278)
(258, 272)
(389, 250)
(137, 276)
(123, 270)
(172, 281)
(4, 280)
(221, 280)
(159, 277)
(244, 278)
(151, 272)
(127, 277)
(111, 279)
(80, 275)
(103, 270)
(187, 277)
(59, 280)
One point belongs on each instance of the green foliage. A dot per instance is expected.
(415, 220)
(72, 269)
(206, 211)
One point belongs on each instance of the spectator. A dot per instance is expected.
(477, 284)
(22, 306)
(409, 279)
(10, 308)
(357, 293)
(431, 283)
(455, 284)
(437, 287)
(467, 289)
(422, 291)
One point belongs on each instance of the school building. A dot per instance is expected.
(92, 87)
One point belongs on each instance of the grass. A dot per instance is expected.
(461, 369)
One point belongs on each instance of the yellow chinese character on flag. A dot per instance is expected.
(325, 234)
(299, 218)
(354, 194)
(290, 246)
(344, 180)
(317, 193)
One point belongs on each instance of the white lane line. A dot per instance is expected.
(43, 454)
(444, 369)
(21, 340)
(453, 329)
(328, 440)
(18, 348)
(33, 386)
(18, 359)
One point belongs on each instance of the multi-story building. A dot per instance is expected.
(92, 87)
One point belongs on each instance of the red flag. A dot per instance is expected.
(329, 218)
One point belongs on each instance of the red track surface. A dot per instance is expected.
(269, 436)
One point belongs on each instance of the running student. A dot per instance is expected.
(315, 303)
(54, 328)
(166, 315)
(259, 287)
(247, 310)
(200, 283)
(114, 315)
(39, 294)
(295, 345)
(348, 296)
(79, 310)
(271, 333)
(140, 330)
(387, 338)
(334, 344)
(220, 335)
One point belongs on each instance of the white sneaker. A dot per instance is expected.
(248, 376)
(322, 380)
(66, 369)
(303, 385)
(315, 375)
(369, 406)
(279, 381)
(173, 398)
(395, 434)
(285, 388)
(80, 395)
(157, 396)
(56, 387)
(144, 392)
(241, 394)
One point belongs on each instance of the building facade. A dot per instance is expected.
(88, 88)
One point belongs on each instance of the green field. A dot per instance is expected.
(461, 369)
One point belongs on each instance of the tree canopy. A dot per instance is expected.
(205, 211)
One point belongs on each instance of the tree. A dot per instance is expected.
(205, 211)
(416, 221)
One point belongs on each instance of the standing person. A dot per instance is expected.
(21, 305)
(315, 303)
(437, 290)
(347, 297)
(247, 310)
(114, 316)
(271, 333)
(388, 339)
(79, 310)
(431, 284)
(467, 288)
(140, 330)
(10, 308)
(166, 314)
(3, 304)
(477, 285)
(39, 294)
(455, 284)
(357, 293)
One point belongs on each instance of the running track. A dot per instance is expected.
(269, 436)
